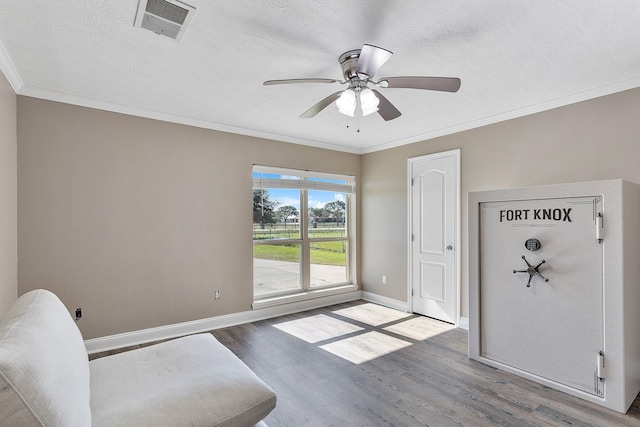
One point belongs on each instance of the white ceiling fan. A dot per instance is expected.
(359, 66)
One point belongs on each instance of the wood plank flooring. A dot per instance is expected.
(428, 382)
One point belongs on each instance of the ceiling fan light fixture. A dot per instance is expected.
(359, 67)
(368, 102)
(346, 103)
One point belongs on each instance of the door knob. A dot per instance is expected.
(449, 248)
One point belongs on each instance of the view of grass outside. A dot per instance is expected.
(277, 236)
(277, 260)
(327, 253)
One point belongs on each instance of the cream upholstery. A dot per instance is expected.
(47, 380)
(188, 381)
(44, 368)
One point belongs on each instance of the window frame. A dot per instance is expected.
(304, 184)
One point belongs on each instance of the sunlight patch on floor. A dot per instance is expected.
(359, 344)
(317, 328)
(419, 328)
(372, 314)
(365, 347)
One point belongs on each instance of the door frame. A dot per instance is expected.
(457, 239)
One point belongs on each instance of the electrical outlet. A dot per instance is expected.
(216, 295)
(384, 279)
(78, 313)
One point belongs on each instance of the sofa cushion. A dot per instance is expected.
(193, 381)
(44, 368)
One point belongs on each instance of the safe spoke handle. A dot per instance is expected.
(532, 271)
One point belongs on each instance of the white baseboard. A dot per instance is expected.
(386, 301)
(127, 339)
(463, 323)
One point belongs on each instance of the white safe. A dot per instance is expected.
(554, 286)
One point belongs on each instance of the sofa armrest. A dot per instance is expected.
(44, 367)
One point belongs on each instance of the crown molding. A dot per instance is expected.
(9, 70)
(6, 65)
(50, 95)
(609, 89)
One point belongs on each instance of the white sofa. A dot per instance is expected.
(46, 378)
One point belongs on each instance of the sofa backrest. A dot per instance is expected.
(44, 367)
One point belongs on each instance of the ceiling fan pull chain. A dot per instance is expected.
(358, 112)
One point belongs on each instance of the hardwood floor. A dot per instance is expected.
(424, 382)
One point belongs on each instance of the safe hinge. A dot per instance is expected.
(599, 227)
(601, 367)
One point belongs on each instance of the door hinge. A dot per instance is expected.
(411, 292)
(601, 367)
(411, 181)
(599, 227)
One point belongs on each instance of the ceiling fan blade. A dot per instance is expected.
(445, 84)
(385, 108)
(371, 59)
(292, 81)
(311, 112)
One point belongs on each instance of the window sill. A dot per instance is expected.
(302, 296)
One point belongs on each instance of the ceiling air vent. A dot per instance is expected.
(165, 17)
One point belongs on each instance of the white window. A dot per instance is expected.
(302, 231)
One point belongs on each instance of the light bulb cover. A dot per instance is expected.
(368, 102)
(346, 103)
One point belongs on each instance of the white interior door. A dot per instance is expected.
(434, 203)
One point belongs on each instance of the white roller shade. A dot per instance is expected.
(302, 180)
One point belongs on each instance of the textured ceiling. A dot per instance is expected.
(513, 57)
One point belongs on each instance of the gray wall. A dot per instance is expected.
(8, 197)
(591, 140)
(139, 221)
